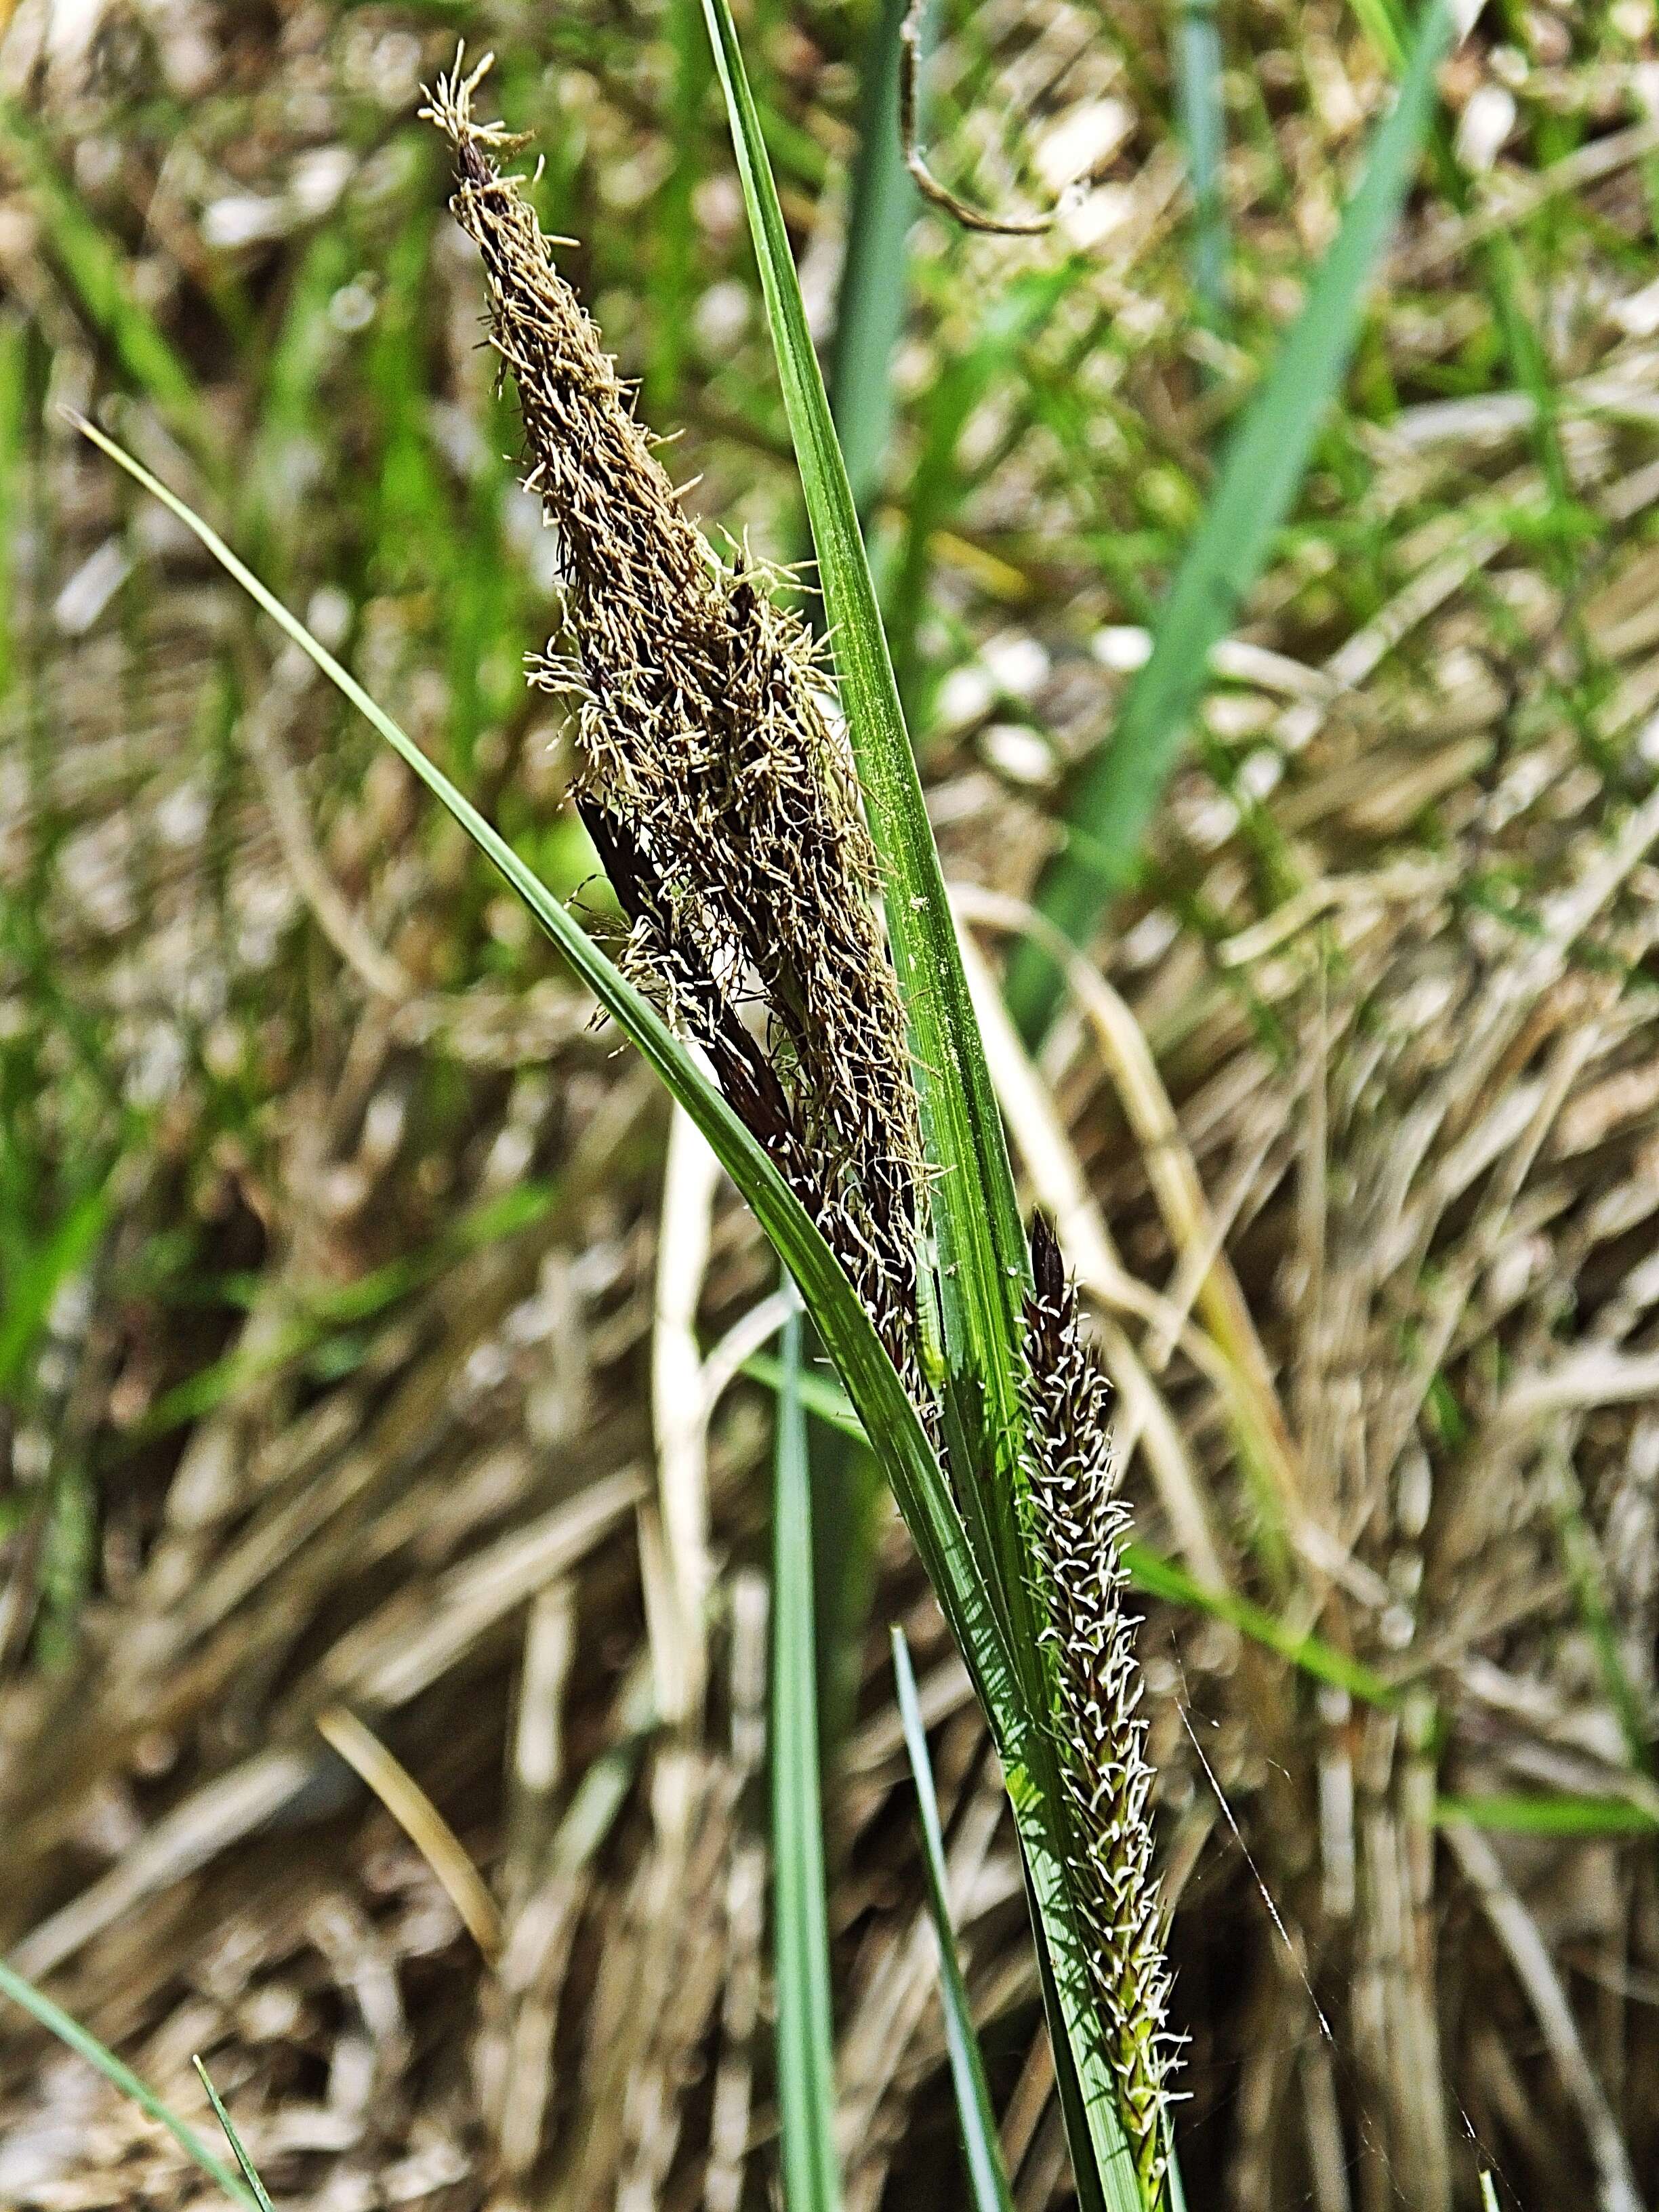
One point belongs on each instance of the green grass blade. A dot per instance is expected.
(1203, 131)
(906, 1458)
(1158, 1577)
(980, 2145)
(938, 484)
(982, 1266)
(800, 1935)
(1565, 1815)
(870, 314)
(982, 1260)
(97, 274)
(249, 2175)
(1581, 1556)
(671, 271)
(1488, 2192)
(86, 2045)
(1266, 460)
(29, 1293)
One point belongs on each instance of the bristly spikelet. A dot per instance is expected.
(1078, 1526)
(719, 799)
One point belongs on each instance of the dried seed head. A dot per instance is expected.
(719, 798)
(1079, 1525)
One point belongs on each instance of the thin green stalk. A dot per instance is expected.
(870, 312)
(974, 2115)
(981, 1251)
(82, 2040)
(235, 2142)
(800, 1934)
(983, 1268)
(1203, 130)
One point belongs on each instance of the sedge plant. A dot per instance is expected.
(791, 970)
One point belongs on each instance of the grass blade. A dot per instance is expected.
(98, 274)
(906, 1458)
(980, 2144)
(982, 1260)
(800, 1936)
(1203, 131)
(86, 2045)
(1150, 1571)
(1112, 806)
(938, 484)
(870, 312)
(29, 1292)
(1541, 1815)
(249, 2175)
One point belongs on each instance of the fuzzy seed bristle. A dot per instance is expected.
(719, 796)
(1078, 1524)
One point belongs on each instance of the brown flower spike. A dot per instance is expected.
(719, 799)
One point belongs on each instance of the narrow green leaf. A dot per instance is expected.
(81, 2040)
(982, 1266)
(235, 2142)
(870, 314)
(1114, 804)
(938, 484)
(1488, 2192)
(980, 2144)
(29, 1296)
(1541, 1815)
(908, 1459)
(671, 271)
(800, 1934)
(1581, 1555)
(982, 1254)
(1158, 1577)
(97, 273)
(1203, 123)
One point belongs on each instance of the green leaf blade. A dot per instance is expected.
(249, 2173)
(805, 2049)
(70, 2032)
(1112, 806)
(983, 1268)
(981, 1252)
(980, 2144)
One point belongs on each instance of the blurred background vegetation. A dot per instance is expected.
(366, 1347)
